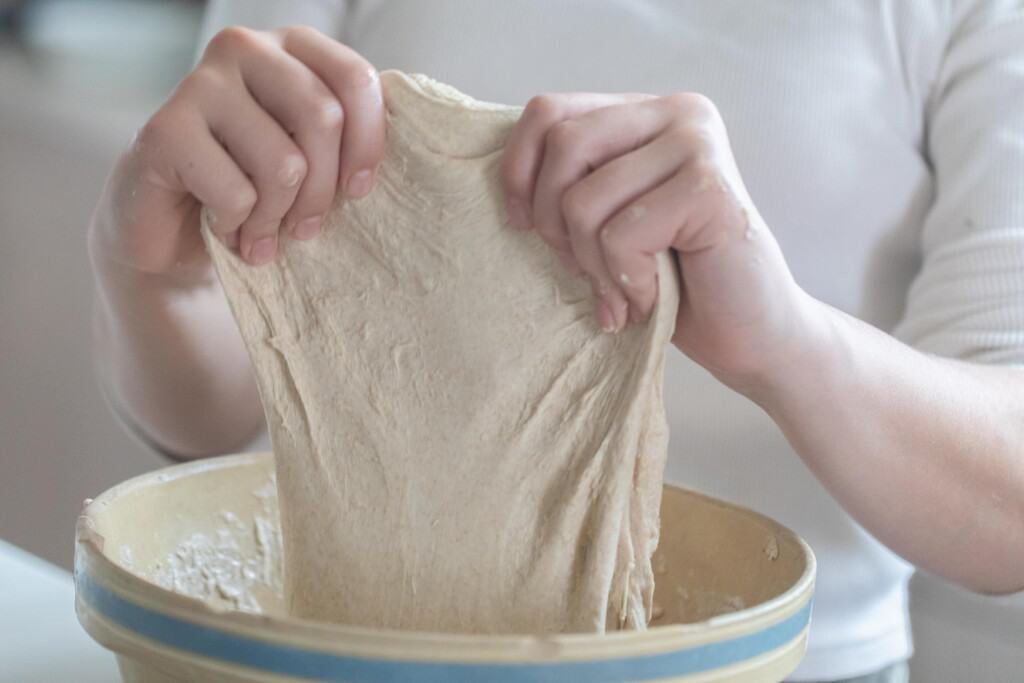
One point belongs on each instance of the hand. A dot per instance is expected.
(262, 133)
(609, 181)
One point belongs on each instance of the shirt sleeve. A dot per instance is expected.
(967, 300)
(324, 15)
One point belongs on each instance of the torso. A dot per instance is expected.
(825, 103)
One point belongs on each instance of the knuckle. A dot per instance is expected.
(327, 114)
(359, 75)
(241, 200)
(296, 35)
(231, 41)
(319, 112)
(681, 136)
(692, 103)
(201, 81)
(695, 140)
(292, 169)
(563, 139)
(543, 108)
(158, 132)
(702, 104)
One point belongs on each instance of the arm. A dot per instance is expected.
(927, 452)
(261, 134)
(170, 358)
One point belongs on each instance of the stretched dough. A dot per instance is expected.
(458, 447)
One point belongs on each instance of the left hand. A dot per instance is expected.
(610, 180)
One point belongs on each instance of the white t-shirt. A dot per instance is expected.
(883, 143)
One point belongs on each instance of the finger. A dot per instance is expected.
(354, 81)
(309, 111)
(270, 158)
(576, 146)
(210, 175)
(571, 150)
(587, 205)
(670, 215)
(524, 149)
(166, 169)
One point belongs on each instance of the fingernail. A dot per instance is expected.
(517, 214)
(360, 184)
(231, 239)
(211, 219)
(308, 228)
(606, 317)
(262, 250)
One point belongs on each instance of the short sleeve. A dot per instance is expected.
(324, 15)
(967, 301)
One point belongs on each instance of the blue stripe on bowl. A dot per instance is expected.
(315, 665)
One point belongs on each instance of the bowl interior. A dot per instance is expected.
(210, 530)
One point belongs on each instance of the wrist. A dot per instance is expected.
(115, 273)
(808, 356)
(129, 301)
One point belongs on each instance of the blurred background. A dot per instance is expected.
(77, 78)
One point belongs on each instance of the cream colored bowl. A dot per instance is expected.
(733, 597)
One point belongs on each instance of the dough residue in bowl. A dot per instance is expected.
(234, 566)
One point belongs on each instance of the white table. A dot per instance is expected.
(40, 638)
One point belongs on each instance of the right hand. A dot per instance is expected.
(262, 133)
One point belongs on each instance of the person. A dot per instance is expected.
(841, 183)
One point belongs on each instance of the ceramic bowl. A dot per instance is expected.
(178, 573)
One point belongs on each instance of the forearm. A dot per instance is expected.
(926, 453)
(171, 359)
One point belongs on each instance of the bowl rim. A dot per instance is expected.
(93, 566)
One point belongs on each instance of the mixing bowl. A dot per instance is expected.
(178, 572)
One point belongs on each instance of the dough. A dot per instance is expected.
(458, 446)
